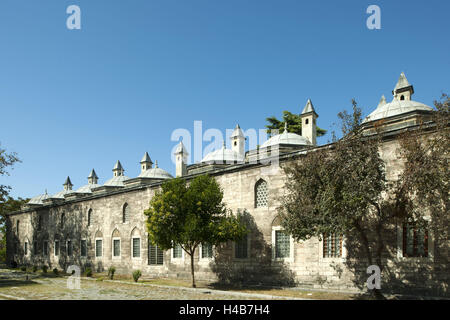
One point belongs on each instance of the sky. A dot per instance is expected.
(73, 100)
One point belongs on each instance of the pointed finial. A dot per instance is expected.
(309, 108)
(146, 158)
(382, 101)
(93, 174)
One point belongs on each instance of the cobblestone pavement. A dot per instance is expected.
(13, 285)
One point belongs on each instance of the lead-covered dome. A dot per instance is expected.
(222, 156)
(155, 173)
(286, 138)
(38, 199)
(116, 181)
(395, 108)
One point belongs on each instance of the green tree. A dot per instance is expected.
(10, 205)
(294, 123)
(343, 190)
(190, 215)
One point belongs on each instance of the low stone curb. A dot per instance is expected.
(203, 290)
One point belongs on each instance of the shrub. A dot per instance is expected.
(111, 272)
(44, 269)
(23, 268)
(136, 275)
(88, 272)
(35, 268)
(55, 271)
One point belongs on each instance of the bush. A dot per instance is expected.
(55, 271)
(111, 272)
(44, 269)
(35, 268)
(88, 272)
(136, 275)
(23, 268)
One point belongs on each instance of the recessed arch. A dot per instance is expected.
(125, 213)
(89, 216)
(98, 234)
(116, 233)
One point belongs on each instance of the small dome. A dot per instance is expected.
(286, 138)
(116, 181)
(155, 173)
(222, 156)
(61, 194)
(87, 188)
(38, 199)
(395, 108)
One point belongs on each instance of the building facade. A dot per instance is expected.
(99, 226)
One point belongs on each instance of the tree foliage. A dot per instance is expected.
(6, 160)
(188, 215)
(294, 123)
(343, 189)
(8, 206)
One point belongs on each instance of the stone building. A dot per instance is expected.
(104, 225)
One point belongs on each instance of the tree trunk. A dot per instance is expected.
(192, 269)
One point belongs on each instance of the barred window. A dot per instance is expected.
(332, 245)
(25, 248)
(240, 248)
(155, 255)
(136, 247)
(177, 252)
(45, 248)
(56, 248)
(98, 247)
(83, 248)
(63, 219)
(207, 250)
(126, 213)
(69, 248)
(282, 244)
(116, 248)
(415, 241)
(261, 194)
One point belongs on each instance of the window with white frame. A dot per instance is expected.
(177, 252)
(116, 247)
(207, 251)
(83, 248)
(136, 243)
(155, 255)
(98, 248)
(261, 194)
(282, 244)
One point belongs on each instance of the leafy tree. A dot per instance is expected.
(10, 205)
(190, 215)
(294, 123)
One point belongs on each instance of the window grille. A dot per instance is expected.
(261, 194)
(282, 244)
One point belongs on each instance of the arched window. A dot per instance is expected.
(126, 213)
(17, 227)
(63, 219)
(261, 194)
(89, 217)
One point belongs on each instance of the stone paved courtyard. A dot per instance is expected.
(13, 285)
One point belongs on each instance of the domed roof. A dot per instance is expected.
(88, 188)
(222, 156)
(286, 138)
(395, 108)
(155, 173)
(39, 199)
(61, 194)
(116, 181)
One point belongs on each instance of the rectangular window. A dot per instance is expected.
(69, 248)
(45, 248)
(282, 244)
(56, 248)
(25, 248)
(155, 255)
(415, 241)
(83, 248)
(98, 248)
(240, 248)
(207, 250)
(332, 245)
(116, 248)
(177, 252)
(136, 247)
(35, 248)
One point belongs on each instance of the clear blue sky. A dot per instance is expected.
(73, 100)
